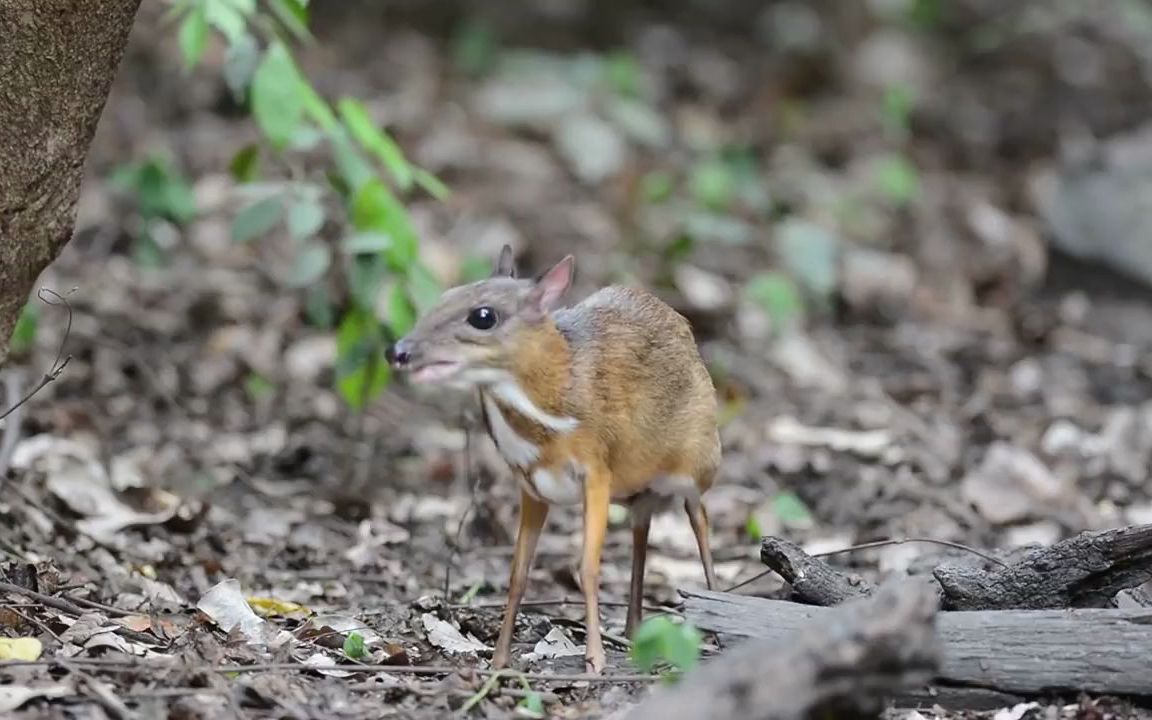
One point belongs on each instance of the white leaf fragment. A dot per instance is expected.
(446, 637)
(224, 603)
(13, 696)
(553, 645)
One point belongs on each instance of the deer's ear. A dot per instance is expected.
(551, 286)
(505, 264)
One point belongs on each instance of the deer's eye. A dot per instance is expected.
(483, 318)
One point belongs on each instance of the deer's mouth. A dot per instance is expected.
(436, 371)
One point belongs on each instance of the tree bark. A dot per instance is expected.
(58, 59)
(1020, 652)
(845, 667)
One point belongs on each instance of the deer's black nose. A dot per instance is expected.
(398, 354)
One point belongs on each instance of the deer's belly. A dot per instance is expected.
(562, 485)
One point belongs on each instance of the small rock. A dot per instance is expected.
(1011, 484)
(309, 357)
(1097, 208)
(532, 91)
(702, 289)
(802, 361)
(871, 278)
(592, 148)
(891, 58)
(1040, 533)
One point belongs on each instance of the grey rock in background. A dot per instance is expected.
(1100, 209)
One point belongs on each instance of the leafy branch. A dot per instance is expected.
(347, 220)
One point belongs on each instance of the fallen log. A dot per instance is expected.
(1022, 652)
(1086, 570)
(859, 655)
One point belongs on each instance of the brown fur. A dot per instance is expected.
(625, 365)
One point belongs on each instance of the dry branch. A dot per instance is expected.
(1086, 570)
(859, 655)
(813, 581)
(1013, 651)
(1083, 571)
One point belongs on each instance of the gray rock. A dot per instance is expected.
(1098, 210)
(530, 90)
(592, 148)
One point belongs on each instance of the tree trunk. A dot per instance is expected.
(57, 62)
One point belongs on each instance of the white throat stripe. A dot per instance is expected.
(511, 393)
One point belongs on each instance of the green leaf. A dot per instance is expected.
(367, 242)
(375, 208)
(423, 287)
(713, 184)
(317, 109)
(659, 640)
(257, 219)
(431, 184)
(293, 14)
(474, 48)
(366, 275)
(227, 17)
(276, 98)
(898, 103)
(897, 178)
(791, 510)
(311, 263)
(354, 645)
(245, 165)
(656, 186)
(810, 254)
(193, 35)
(362, 372)
(623, 73)
(318, 306)
(257, 386)
(158, 189)
(240, 65)
(401, 313)
(376, 141)
(24, 335)
(354, 170)
(778, 296)
(533, 704)
(925, 14)
(752, 528)
(305, 218)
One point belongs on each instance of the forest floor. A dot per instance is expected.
(193, 453)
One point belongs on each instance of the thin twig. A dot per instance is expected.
(111, 665)
(69, 608)
(875, 544)
(33, 621)
(55, 603)
(104, 696)
(749, 581)
(486, 688)
(564, 601)
(61, 360)
(467, 474)
(901, 541)
(109, 609)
